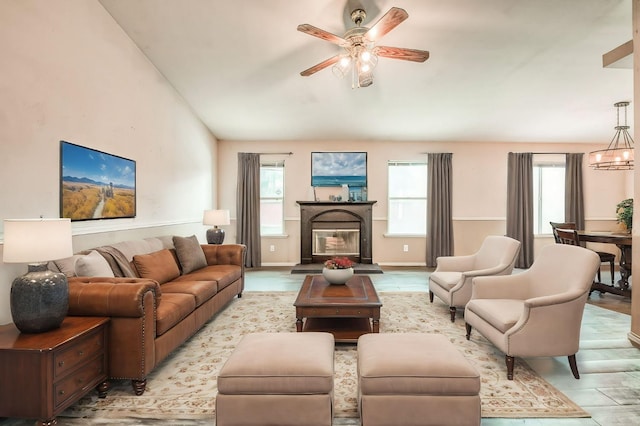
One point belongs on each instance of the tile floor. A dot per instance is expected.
(609, 387)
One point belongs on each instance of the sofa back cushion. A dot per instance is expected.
(189, 253)
(160, 266)
(92, 265)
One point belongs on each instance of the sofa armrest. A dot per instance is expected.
(224, 254)
(112, 297)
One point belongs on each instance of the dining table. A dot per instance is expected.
(623, 241)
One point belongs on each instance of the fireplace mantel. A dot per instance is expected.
(331, 214)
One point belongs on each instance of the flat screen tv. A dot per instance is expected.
(95, 185)
(338, 168)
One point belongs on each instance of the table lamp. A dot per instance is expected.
(39, 299)
(214, 218)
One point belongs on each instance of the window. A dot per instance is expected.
(272, 198)
(548, 196)
(407, 198)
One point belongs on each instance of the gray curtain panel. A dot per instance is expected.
(520, 204)
(439, 217)
(573, 194)
(248, 207)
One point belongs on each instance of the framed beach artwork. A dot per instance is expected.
(338, 168)
(95, 185)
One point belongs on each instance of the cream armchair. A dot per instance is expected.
(537, 312)
(451, 281)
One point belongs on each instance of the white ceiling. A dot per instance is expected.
(500, 70)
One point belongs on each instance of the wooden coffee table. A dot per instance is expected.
(347, 311)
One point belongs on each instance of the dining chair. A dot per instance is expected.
(605, 257)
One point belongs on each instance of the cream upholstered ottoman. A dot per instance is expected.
(277, 379)
(415, 379)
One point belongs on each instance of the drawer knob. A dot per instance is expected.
(80, 353)
(61, 392)
(60, 363)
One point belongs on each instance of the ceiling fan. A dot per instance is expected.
(361, 54)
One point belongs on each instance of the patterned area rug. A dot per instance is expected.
(184, 386)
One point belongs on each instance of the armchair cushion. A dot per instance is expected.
(447, 280)
(502, 314)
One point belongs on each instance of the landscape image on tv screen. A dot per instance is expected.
(95, 185)
(338, 168)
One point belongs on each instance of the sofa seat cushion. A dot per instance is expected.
(160, 266)
(446, 280)
(502, 314)
(172, 309)
(223, 274)
(201, 290)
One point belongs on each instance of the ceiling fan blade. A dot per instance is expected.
(401, 53)
(325, 35)
(322, 65)
(389, 21)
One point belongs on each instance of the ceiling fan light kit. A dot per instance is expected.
(360, 55)
(620, 152)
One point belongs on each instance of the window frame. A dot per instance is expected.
(538, 200)
(391, 197)
(273, 164)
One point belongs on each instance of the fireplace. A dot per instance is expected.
(329, 229)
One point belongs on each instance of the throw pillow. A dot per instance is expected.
(189, 253)
(93, 265)
(160, 266)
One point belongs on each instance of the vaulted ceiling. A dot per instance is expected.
(499, 70)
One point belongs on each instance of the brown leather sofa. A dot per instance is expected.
(158, 292)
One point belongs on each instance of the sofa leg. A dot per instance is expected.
(510, 361)
(452, 311)
(139, 386)
(574, 366)
(239, 295)
(468, 327)
(430, 297)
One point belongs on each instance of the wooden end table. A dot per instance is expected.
(44, 373)
(347, 311)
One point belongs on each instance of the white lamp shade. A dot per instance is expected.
(216, 217)
(36, 240)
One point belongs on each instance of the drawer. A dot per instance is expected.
(80, 351)
(86, 376)
(341, 312)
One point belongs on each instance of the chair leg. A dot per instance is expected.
(574, 366)
(452, 311)
(599, 279)
(468, 327)
(430, 297)
(510, 361)
(613, 272)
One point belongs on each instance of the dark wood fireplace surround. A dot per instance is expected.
(335, 215)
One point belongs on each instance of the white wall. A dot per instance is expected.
(479, 191)
(69, 72)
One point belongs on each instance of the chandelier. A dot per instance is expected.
(619, 153)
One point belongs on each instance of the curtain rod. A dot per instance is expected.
(274, 153)
(551, 153)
